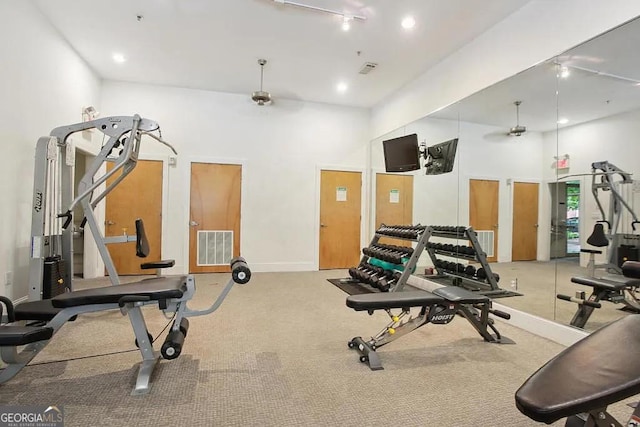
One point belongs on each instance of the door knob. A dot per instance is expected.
(193, 223)
(110, 222)
(323, 225)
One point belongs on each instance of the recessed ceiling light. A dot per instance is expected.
(408, 22)
(346, 23)
(563, 121)
(119, 58)
(341, 87)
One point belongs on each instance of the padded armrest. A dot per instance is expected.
(595, 372)
(389, 300)
(155, 289)
(165, 263)
(590, 251)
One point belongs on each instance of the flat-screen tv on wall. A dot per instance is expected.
(441, 157)
(401, 154)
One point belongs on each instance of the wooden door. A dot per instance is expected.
(340, 216)
(525, 221)
(214, 227)
(394, 203)
(483, 213)
(139, 195)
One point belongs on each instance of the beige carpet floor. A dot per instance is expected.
(275, 354)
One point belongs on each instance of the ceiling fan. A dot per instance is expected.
(517, 130)
(261, 97)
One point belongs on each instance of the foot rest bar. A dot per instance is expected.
(579, 301)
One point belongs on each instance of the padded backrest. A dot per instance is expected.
(597, 238)
(142, 244)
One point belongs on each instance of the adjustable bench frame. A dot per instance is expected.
(438, 307)
(20, 344)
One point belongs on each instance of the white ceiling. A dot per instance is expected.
(608, 88)
(215, 44)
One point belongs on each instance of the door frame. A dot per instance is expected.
(187, 200)
(365, 238)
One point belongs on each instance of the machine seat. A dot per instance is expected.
(42, 310)
(605, 284)
(156, 289)
(389, 300)
(593, 373)
(23, 335)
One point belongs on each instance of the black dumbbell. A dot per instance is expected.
(481, 274)
(470, 270)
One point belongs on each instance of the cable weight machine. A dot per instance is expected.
(54, 197)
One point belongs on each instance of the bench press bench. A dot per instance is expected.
(439, 306)
(20, 343)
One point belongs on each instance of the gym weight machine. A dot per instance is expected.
(32, 324)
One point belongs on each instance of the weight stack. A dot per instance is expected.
(53, 277)
(627, 253)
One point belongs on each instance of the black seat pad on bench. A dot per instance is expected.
(388, 300)
(609, 285)
(22, 335)
(593, 373)
(460, 295)
(155, 289)
(42, 310)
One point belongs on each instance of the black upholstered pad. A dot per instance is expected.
(384, 300)
(36, 310)
(593, 373)
(156, 289)
(165, 263)
(460, 295)
(631, 269)
(608, 285)
(22, 335)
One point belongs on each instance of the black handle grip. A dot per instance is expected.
(579, 301)
(10, 314)
(132, 298)
(499, 313)
(606, 222)
(69, 217)
(633, 224)
(240, 272)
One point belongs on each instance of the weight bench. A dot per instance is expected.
(585, 378)
(439, 307)
(170, 294)
(605, 290)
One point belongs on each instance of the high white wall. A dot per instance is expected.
(281, 148)
(44, 84)
(538, 31)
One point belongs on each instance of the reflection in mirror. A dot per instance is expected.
(599, 112)
(507, 143)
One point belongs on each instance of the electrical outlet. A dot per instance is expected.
(8, 278)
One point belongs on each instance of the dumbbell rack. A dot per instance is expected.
(487, 285)
(407, 233)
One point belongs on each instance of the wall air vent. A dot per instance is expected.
(368, 67)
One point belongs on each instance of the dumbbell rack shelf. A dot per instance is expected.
(419, 236)
(488, 286)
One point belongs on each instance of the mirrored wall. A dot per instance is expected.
(542, 158)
